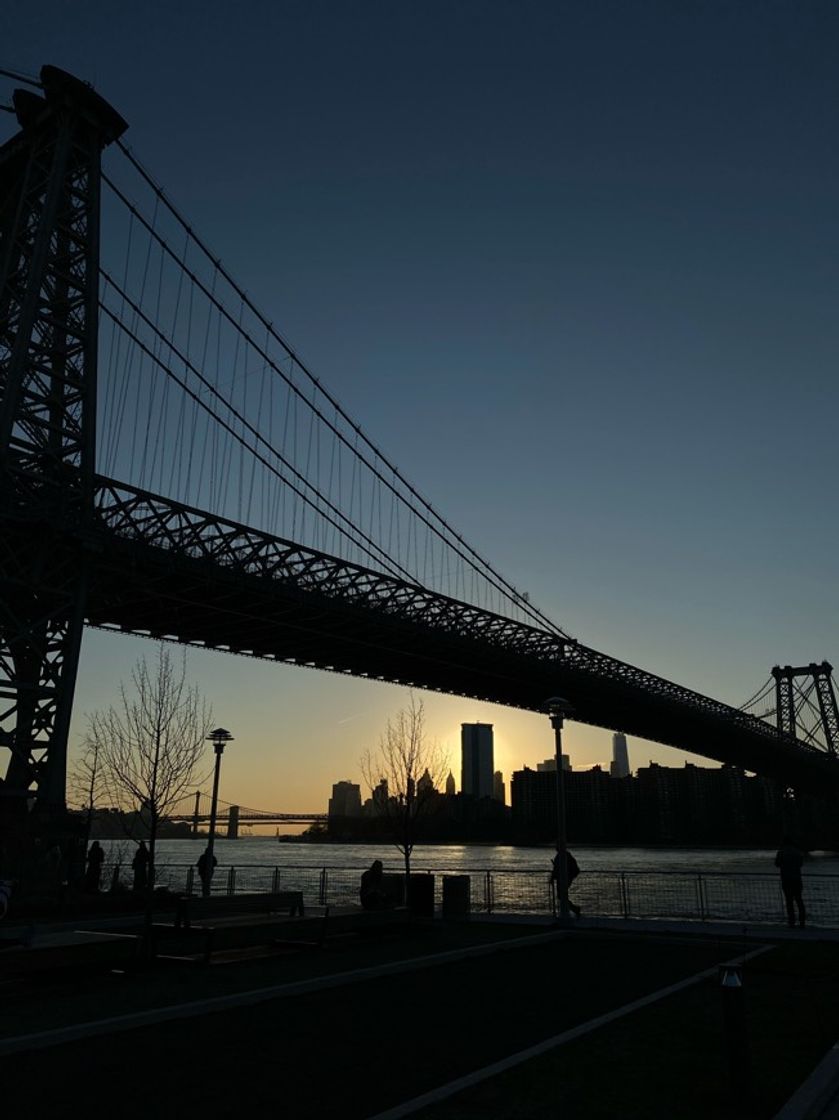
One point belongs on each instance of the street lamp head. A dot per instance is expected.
(558, 706)
(218, 737)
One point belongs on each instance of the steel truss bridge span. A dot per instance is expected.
(349, 569)
(165, 570)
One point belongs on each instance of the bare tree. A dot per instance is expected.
(150, 745)
(403, 776)
(86, 783)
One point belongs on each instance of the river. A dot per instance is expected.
(267, 852)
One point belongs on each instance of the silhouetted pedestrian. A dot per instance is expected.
(572, 870)
(95, 859)
(789, 861)
(205, 870)
(373, 894)
(140, 867)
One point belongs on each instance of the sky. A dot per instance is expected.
(574, 266)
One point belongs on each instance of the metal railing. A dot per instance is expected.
(752, 897)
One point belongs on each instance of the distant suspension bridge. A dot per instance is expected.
(195, 810)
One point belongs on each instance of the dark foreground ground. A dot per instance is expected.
(358, 1048)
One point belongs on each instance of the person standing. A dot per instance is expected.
(789, 861)
(205, 870)
(95, 859)
(140, 867)
(572, 870)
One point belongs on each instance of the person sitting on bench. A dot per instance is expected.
(373, 893)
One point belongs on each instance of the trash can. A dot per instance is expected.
(456, 897)
(421, 895)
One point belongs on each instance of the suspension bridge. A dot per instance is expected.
(170, 467)
(196, 810)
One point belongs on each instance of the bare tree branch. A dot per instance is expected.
(403, 775)
(150, 745)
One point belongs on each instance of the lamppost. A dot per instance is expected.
(558, 708)
(218, 738)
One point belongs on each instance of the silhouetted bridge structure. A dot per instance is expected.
(259, 518)
(229, 817)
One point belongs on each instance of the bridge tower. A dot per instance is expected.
(821, 684)
(49, 289)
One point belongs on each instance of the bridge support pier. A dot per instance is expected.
(49, 292)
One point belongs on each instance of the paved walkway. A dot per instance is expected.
(816, 1099)
(753, 932)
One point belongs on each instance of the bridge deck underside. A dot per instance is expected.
(144, 589)
(206, 594)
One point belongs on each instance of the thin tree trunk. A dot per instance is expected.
(149, 899)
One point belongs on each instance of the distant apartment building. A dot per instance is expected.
(588, 803)
(661, 805)
(499, 793)
(697, 804)
(450, 786)
(533, 801)
(476, 745)
(379, 799)
(345, 800)
(659, 802)
(549, 765)
(619, 767)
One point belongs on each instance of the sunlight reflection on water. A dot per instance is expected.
(268, 852)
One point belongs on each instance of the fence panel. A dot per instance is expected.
(706, 896)
(516, 892)
(662, 895)
(600, 893)
(742, 898)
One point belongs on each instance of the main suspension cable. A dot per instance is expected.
(395, 569)
(494, 578)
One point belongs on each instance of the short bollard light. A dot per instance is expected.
(734, 1028)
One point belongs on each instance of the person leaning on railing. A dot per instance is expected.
(789, 861)
(572, 870)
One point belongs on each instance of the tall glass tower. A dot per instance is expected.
(620, 756)
(477, 769)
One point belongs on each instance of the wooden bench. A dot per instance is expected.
(230, 911)
(363, 923)
(196, 907)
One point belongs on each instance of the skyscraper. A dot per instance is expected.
(620, 756)
(476, 776)
(345, 800)
(498, 790)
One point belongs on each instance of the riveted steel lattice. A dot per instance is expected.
(793, 703)
(49, 230)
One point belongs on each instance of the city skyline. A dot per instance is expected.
(596, 252)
